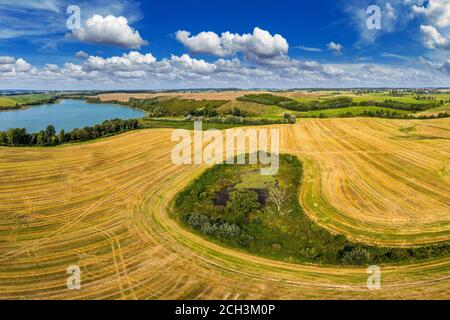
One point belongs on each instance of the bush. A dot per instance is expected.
(159, 112)
(357, 256)
(211, 228)
(289, 118)
(229, 231)
(196, 221)
(243, 201)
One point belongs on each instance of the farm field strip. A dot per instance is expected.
(104, 206)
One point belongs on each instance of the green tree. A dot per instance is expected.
(159, 112)
(61, 136)
(357, 256)
(50, 132)
(229, 231)
(2, 137)
(41, 138)
(243, 201)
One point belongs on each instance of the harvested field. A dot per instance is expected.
(222, 95)
(104, 206)
(219, 95)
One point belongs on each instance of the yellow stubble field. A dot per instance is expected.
(104, 207)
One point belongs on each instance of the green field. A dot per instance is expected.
(252, 109)
(8, 102)
(384, 96)
(333, 113)
(274, 105)
(412, 103)
(263, 106)
(434, 111)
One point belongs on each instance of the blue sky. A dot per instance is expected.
(186, 44)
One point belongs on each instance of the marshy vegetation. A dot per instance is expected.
(236, 206)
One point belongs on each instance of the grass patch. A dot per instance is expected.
(408, 129)
(252, 109)
(182, 106)
(11, 102)
(435, 111)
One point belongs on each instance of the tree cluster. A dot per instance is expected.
(49, 137)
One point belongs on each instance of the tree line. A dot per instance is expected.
(48, 137)
(400, 105)
(387, 114)
(335, 103)
(162, 107)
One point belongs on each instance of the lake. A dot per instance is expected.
(67, 115)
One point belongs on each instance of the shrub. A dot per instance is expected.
(229, 231)
(209, 229)
(357, 256)
(243, 201)
(196, 221)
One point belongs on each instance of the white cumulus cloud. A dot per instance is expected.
(437, 11)
(133, 61)
(81, 54)
(7, 60)
(193, 65)
(337, 48)
(443, 67)
(109, 30)
(12, 66)
(259, 46)
(143, 70)
(433, 39)
(204, 42)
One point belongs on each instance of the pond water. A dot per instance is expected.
(67, 115)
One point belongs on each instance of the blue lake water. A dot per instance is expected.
(67, 115)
